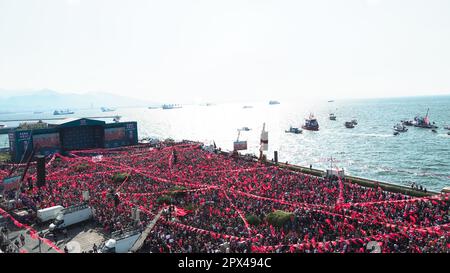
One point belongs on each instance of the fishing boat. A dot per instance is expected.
(311, 123)
(293, 130)
(349, 124)
(63, 112)
(105, 109)
(171, 106)
(273, 102)
(424, 122)
(400, 128)
(332, 116)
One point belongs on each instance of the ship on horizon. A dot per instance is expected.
(106, 109)
(171, 106)
(63, 112)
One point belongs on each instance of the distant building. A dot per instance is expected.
(78, 134)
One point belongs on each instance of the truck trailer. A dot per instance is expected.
(120, 242)
(70, 216)
(47, 214)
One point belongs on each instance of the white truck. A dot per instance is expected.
(47, 214)
(70, 216)
(120, 242)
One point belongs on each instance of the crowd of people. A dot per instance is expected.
(213, 196)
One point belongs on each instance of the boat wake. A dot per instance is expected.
(370, 135)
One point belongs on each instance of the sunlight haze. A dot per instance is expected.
(188, 51)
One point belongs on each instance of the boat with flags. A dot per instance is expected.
(424, 122)
(311, 123)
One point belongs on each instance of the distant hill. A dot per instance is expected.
(49, 99)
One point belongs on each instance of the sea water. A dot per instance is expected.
(369, 150)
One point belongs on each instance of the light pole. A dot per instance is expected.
(39, 239)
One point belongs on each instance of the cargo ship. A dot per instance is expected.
(171, 106)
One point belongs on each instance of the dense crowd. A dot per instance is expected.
(215, 199)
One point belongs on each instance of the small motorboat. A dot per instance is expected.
(434, 131)
(355, 122)
(332, 116)
(245, 129)
(349, 124)
(396, 133)
(294, 130)
(400, 128)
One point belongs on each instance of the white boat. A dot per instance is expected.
(400, 128)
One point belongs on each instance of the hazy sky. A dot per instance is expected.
(180, 50)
